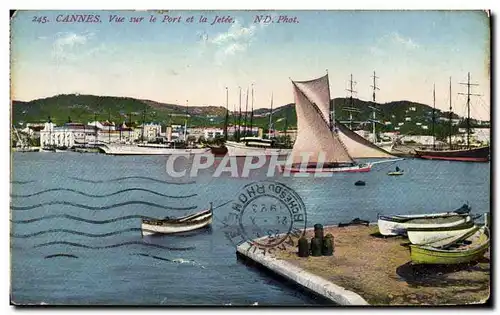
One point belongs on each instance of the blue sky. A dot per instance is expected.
(409, 50)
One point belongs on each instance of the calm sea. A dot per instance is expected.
(75, 231)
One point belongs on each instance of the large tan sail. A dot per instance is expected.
(357, 146)
(314, 136)
(318, 92)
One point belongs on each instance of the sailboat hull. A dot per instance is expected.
(240, 149)
(345, 169)
(481, 154)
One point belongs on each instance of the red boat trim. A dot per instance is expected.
(448, 158)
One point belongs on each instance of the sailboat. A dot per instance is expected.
(255, 146)
(324, 144)
(469, 154)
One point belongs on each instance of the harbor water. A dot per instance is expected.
(76, 239)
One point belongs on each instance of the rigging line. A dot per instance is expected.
(221, 205)
(388, 164)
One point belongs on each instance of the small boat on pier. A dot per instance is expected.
(466, 250)
(425, 235)
(398, 224)
(177, 225)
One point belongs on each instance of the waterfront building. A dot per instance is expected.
(56, 136)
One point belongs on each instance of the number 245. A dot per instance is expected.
(40, 19)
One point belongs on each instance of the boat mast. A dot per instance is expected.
(351, 109)
(450, 116)
(95, 128)
(109, 125)
(375, 88)
(234, 121)
(468, 106)
(286, 126)
(332, 106)
(50, 132)
(433, 116)
(239, 118)
(84, 134)
(227, 115)
(143, 121)
(246, 114)
(270, 118)
(130, 126)
(185, 123)
(251, 115)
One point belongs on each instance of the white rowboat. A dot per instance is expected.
(177, 225)
(443, 235)
(398, 224)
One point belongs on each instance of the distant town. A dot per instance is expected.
(397, 122)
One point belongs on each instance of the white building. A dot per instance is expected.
(151, 131)
(211, 133)
(482, 135)
(425, 140)
(51, 135)
(454, 121)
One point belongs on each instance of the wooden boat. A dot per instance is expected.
(323, 144)
(480, 154)
(467, 154)
(395, 173)
(424, 235)
(467, 250)
(360, 183)
(177, 225)
(398, 224)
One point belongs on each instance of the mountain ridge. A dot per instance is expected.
(86, 107)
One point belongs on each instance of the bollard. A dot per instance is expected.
(318, 231)
(303, 247)
(327, 249)
(316, 245)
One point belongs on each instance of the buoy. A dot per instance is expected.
(303, 247)
(316, 245)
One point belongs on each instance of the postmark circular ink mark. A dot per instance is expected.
(267, 215)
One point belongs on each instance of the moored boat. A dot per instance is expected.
(467, 154)
(254, 146)
(464, 251)
(425, 235)
(323, 144)
(479, 154)
(398, 224)
(177, 225)
(148, 149)
(395, 173)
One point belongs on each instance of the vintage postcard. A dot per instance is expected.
(250, 158)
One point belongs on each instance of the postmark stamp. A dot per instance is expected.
(267, 215)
